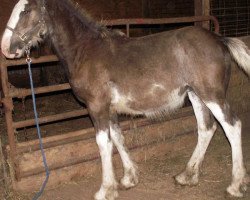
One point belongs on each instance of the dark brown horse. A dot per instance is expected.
(148, 76)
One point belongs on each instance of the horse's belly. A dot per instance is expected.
(122, 103)
(151, 107)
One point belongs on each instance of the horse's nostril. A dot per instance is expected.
(17, 55)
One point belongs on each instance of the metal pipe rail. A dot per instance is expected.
(22, 61)
(9, 92)
(51, 118)
(141, 21)
(23, 92)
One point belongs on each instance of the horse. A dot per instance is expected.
(147, 76)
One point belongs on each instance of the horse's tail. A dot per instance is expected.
(240, 52)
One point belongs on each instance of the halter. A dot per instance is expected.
(25, 37)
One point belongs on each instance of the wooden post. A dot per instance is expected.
(202, 7)
(206, 11)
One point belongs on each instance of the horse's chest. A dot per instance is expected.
(81, 89)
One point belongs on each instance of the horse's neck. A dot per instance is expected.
(68, 34)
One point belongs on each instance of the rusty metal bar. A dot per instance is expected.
(22, 92)
(141, 21)
(42, 59)
(51, 118)
(8, 106)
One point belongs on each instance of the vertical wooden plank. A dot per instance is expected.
(202, 7)
(206, 11)
(198, 10)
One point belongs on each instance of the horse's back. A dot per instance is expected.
(185, 54)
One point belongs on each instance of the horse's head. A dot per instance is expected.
(26, 28)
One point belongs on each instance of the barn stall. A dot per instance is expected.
(144, 138)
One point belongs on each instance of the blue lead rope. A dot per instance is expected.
(29, 61)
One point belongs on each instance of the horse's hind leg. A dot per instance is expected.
(206, 128)
(232, 127)
(130, 178)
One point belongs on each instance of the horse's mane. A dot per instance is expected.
(77, 10)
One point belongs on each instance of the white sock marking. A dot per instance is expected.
(130, 178)
(106, 147)
(204, 135)
(118, 140)
(233, 133)
(108, 178)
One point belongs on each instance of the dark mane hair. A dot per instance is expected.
(86, 20)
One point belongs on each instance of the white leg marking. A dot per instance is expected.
(191, 174)
(233, 133)
(130, 178)
(14, 18)
(204, 138)
(204, 135)
(108, 188)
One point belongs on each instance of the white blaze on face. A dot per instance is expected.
(14, 18)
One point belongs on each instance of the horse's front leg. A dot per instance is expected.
(108, 189)
(130, 178)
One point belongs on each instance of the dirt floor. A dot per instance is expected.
(156, 174)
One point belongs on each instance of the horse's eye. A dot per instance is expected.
(26, 12)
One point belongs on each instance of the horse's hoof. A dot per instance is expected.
(129, 181)
(238, 189)
(109, 193)
(234, 192)
(186, 178)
